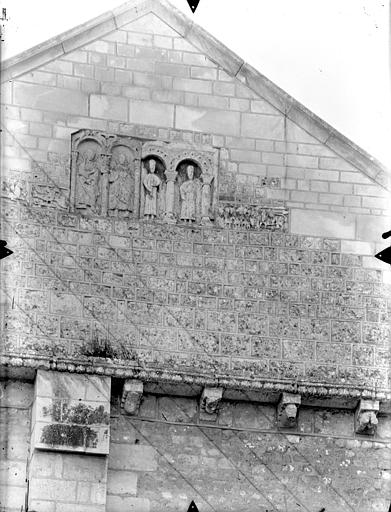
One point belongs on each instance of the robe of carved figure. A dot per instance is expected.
(120, 184)
(87, 190)
(189, 191)
(151, 184)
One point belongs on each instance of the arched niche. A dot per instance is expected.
(153, 186)
(188, 191)
(86, 175)
(121, 199)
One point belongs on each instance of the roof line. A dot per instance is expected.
(218, 53)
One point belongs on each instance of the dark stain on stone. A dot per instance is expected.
(69, 435)
(80, 414)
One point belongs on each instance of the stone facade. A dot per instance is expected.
(187, 235)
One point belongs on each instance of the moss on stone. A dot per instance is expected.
(69, 435)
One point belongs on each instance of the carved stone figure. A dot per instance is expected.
(131, 396)
(87, 190)
(287, 410)
(189, 191)
(151, 184)
(120, 185)
(366, 417)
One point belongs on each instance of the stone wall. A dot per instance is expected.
(16, 398)
(306, 301)
(168, 456)
(255, 307)
(216, 302)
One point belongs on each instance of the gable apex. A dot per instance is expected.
(218, 53)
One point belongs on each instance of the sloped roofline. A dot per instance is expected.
(218, 53)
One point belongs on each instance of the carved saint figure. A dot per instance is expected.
(88, 181)
(120, 184)
(188, 193)
(151, 184)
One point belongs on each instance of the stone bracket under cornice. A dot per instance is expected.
(191, 384)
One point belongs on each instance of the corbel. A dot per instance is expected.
(131, 396)
(209, 403)
(366, 417)
(288, 410)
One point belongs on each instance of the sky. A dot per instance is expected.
(331, 55)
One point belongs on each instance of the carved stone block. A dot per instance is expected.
(251, 217)
(209, 403)
(287, 410)
(71, 413)
(366, 417)
(123, 176)
(131, 396)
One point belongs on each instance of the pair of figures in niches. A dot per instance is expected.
(188, 197)
(110, 187)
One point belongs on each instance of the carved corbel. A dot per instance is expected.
(288, 410)
(131, 396)
(366, 417)
(209, 403)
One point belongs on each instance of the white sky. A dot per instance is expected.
(331, 55)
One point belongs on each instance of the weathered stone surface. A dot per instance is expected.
(151, 113)
(326, 224)
(122, 483)
(50, 98)
(108, 107)
(66, 415)
(132, 457)
(262, 126)
(213, 121)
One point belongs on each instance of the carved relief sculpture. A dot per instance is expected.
(103, 177)
(120, 186)
(151, 184)
(250, 217)
(172, 182)
(88, 178)
(189, 194)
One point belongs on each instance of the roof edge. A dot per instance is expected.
(218, 53)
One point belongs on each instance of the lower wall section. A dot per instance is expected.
(15, 410)
(64, 482)
(156, 465)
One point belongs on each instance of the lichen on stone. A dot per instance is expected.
(69, 435)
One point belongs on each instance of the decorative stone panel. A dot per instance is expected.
(251, 217)
(123, 176)
(71, 413)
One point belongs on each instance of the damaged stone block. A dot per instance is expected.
(71, 413)
(209, 403)
(366, 417)
(131, 396)
(288, 410)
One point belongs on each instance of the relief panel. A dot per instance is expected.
(169, 182)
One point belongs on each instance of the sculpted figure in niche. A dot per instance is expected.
(151, 184)
(189, 191)
(120, 185)
(88, 181)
